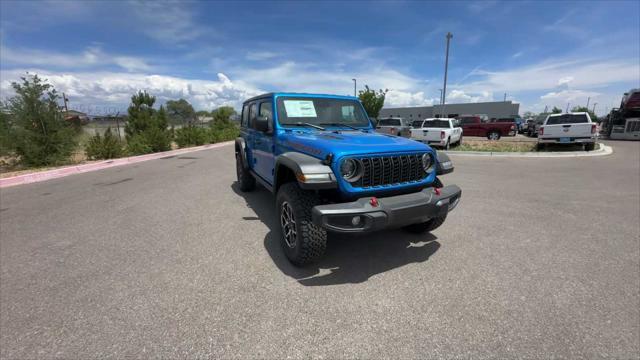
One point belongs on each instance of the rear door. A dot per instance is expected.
(567, 126)
(263, 148)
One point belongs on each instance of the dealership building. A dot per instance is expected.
(497, 110)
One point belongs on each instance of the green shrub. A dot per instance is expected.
(191, 136)
(223, 134)
(39, 133)
(104, 147)
(137, 145)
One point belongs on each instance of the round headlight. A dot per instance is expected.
(351, 169)
(427, 162)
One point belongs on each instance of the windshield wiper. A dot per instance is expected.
(306, 124)
(341, 124)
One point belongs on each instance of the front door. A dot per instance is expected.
(263, 149)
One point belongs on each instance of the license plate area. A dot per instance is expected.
(564, 140)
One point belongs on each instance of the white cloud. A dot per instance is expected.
(260, 55)
(113, 90)
(90, 57)
(565, 96)
(547, 75)
(517, 55)
(170, 22)
(460, 96)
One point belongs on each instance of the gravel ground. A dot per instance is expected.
(168, 259)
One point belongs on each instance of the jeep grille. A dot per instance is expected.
(390, 170)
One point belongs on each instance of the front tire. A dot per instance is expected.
(245, 179)
(447, 146)
(302, 241)
(493, 135)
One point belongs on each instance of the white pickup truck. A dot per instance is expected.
(439, 132)
(569, 128)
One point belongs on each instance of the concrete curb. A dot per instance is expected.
(604, 150)
(79, 169)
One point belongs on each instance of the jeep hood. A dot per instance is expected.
(321, 143)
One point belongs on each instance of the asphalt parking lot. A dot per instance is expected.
(167, 258)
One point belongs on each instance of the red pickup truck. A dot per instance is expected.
(474, 126)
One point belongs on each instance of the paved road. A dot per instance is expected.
(166, 258)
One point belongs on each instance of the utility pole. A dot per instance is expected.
(588, 99)
(118, 124)
(505, 97)
(567, 111)
(66, 100)
(594, 108)
(546, 107)
(355, 82)
(446, 68)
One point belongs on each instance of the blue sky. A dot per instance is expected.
(218, 53)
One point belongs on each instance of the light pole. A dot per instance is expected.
(588, 99)
(441, 99)
(446, 68)
(355, 82)
(594, 108)
(505, 97)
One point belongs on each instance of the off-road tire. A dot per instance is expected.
(589, 146)
(245, 179)
(426, 226)
(311, 240)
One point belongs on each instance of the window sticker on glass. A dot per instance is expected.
(300, 108)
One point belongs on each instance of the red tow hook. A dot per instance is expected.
(437, 191)
(374, 202)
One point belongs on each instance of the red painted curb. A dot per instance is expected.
(78, 169)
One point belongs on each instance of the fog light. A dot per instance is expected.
(355, 221)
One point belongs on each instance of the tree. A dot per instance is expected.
(180, 112)
(202, 113)
(223, 114)
(556, 110)
(146, 128)
(529, 115)
(40, 134)
(592, 115)
(372, 100)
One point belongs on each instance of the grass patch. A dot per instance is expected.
(499, 146)
(495, 146)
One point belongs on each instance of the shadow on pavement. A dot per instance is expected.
(349, 259)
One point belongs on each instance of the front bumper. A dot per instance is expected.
(390, 212)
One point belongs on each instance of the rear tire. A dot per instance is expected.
(302, 241)
(427, 226)
(245, 179)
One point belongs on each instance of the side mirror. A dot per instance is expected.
(445, 166)
(262, 123)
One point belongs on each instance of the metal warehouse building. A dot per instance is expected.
(496, 110)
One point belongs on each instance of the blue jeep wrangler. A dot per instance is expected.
(331, 172)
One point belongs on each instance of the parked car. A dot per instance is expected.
(570, 128)
(473, 126)
(394, 126)
(331, 172)
(532, 129)
(440, 132)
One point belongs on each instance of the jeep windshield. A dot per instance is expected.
(320, 112)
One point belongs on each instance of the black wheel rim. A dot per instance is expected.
(288, 224)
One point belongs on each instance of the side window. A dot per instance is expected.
(245, 116)
(266, 110)
(252, 114)
(396, 122)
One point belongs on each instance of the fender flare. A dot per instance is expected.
(311, 173)
(444, 166)
(241, 148)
